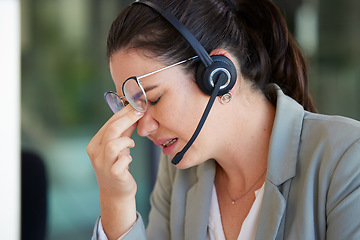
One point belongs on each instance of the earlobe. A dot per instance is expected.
(226, 98)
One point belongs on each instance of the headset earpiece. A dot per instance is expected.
(222, 67)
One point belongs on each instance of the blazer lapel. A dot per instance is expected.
(198, 202)
(271, 222)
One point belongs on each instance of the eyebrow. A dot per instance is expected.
(147, 89)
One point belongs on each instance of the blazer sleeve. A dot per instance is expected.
(136, 232)
(343, 208)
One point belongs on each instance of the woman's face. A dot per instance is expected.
(176, 105)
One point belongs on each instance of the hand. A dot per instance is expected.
(109, 152)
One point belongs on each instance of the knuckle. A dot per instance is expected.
(111, 149)
(126, 159)
(115, 171)
(89, 150)
(121, 166)
(114, 128)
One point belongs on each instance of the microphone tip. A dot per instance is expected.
(178, 157)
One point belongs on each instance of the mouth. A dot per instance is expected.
(168, 145)
(169, 142)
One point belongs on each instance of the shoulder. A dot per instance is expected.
(332, 124)
(329, 138)
(330, 153)
(303, 141)
(334, 133)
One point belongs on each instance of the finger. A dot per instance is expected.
(116, 116)
(100, 134)
(121, 167)
(128, 132)
(117, 147)
(120, 125)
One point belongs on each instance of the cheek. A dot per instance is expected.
(187, 107)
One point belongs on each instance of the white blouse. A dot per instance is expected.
(248, 229)
(215, 230)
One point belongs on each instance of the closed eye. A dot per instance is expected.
(153, 103)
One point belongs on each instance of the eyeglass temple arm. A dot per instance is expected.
(167, 67)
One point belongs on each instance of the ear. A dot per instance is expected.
(223, 52)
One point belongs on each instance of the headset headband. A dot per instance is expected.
(189, 37)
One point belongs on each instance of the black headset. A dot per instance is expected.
(216, 75)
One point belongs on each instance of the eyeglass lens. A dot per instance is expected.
(134, 94)
(114, 101)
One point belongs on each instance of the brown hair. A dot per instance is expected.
(254, 31)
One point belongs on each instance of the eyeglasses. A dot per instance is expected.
(134, 93)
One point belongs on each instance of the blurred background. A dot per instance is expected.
(65, 73)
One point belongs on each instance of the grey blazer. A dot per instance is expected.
(311, 187)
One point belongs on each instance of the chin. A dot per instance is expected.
(183, 165)
(188, 161)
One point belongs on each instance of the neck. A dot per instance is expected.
(245, 158)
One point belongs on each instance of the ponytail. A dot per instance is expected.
(272, 55)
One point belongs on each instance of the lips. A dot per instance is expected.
(168, 145)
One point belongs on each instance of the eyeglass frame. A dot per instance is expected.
(123, 98)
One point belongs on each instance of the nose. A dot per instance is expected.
(147, 124)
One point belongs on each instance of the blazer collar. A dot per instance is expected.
(285, 137)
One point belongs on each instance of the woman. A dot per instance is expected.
(264, 166)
